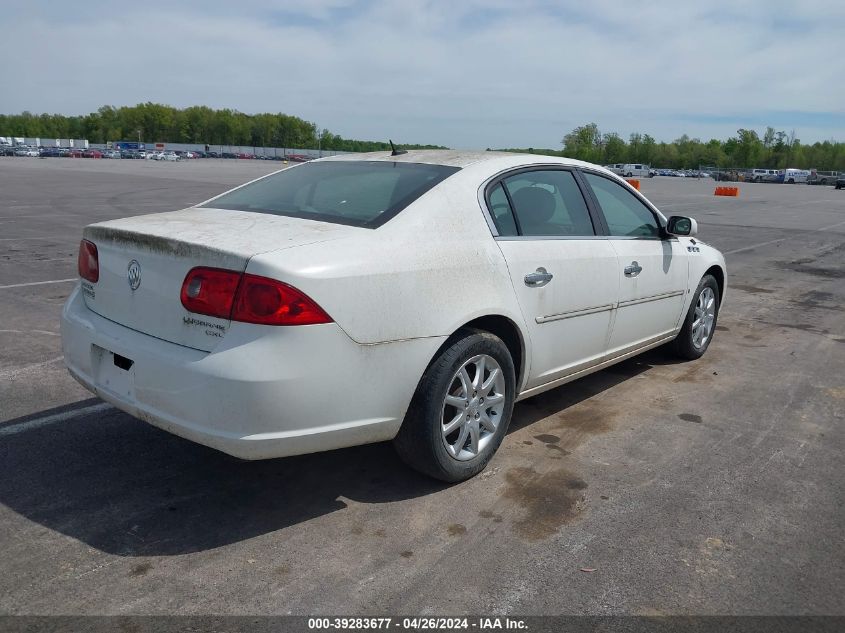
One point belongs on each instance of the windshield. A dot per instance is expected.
(357, 193)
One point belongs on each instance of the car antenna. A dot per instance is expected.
(395, 151)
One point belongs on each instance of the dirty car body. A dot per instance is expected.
(317, 307)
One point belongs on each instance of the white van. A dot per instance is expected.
(791, 176)
(635, 169)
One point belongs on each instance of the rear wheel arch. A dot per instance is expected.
(500, 326)
(511, 336)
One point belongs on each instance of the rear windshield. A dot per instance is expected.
(358, 193)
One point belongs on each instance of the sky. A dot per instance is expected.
(460, 73)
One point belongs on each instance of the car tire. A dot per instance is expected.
(425, 441)
(692, 341)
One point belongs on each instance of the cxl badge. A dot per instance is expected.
(133, 274)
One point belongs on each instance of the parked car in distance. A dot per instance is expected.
(92, 153)
(822, 177)
(616, 168)
(169, 156)
(111, 153)
(757, 175)
(840, 180)
(50, 152)
(272, 321)
(763, 175)
(730, 175)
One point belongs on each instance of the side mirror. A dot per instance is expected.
(679, 225)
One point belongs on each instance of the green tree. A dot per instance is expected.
(583, 143)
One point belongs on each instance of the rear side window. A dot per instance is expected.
(357, 193)
(501, 210)
(548, 203)
(625, 214)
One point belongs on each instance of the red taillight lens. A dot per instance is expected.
(227, 294)
(270, 302)
(210, 291)
(88, 262)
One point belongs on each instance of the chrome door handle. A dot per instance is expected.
(633, 270)
(539, 278)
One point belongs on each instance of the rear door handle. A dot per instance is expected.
(538, 278)
(633, 270)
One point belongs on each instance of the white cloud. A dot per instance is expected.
(475, 73)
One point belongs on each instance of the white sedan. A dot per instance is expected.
(412, 297)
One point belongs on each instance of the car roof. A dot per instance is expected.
(457, 158)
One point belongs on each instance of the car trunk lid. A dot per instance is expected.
(143, 261)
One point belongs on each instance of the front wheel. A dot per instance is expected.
(461, 409)
(700, 323)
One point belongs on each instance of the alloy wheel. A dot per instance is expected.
(704, 318)
(473, 407)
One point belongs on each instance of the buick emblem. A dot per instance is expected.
(133, 274)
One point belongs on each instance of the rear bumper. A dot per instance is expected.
(264, 392)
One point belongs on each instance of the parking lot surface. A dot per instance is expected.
(653, 487)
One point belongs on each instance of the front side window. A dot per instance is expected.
(548, 203)
(626, 215)
(357, 193)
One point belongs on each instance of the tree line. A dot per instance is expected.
(154, 122)
(774, 150)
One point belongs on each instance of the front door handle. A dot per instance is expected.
(633, 270)
(539, 278)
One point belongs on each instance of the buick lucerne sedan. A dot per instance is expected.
(412, 297)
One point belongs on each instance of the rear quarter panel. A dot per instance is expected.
(424, 273)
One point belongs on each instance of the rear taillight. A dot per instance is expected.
(227, 294)
(210, 291)
(270, 302)
(87, 262)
